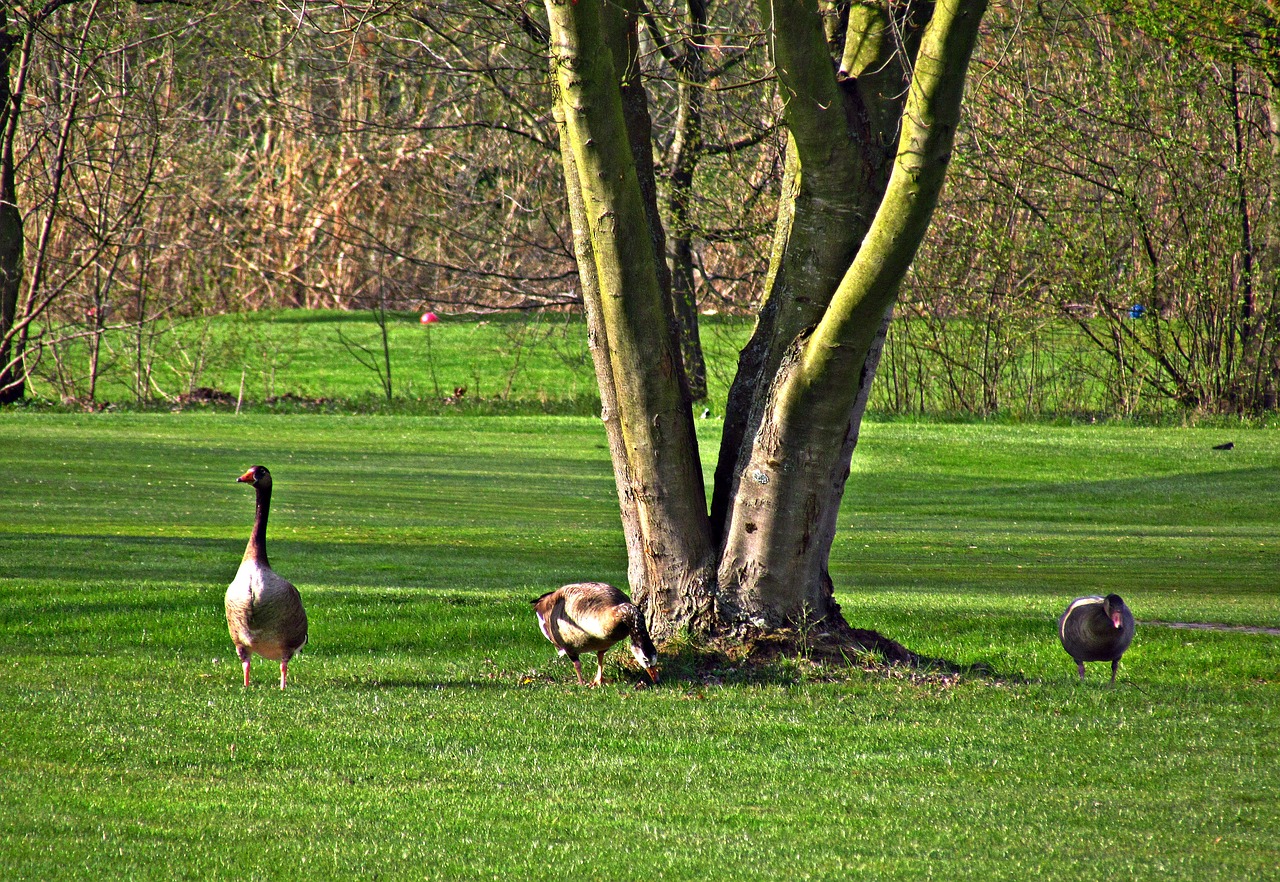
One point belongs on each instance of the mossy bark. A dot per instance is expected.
(793, 463)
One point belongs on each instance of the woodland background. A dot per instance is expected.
(1108, 218)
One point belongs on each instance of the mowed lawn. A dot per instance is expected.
(429, 732)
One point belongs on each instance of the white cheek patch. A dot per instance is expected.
(542, 623)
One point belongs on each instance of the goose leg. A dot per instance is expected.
(284, 672)
(599, 680)
(1115, 666)
(577, 666)
(1080, 668)
(245, 655)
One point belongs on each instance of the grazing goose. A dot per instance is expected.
(1096, 629)
(264, 610)
(591, 617)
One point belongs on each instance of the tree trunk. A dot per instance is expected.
(869, 143)
(792, 465)
(12, 382)
(839, 158)
(656, 462)
(686, 148)
(14, 323)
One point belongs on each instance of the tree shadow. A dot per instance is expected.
(789, 656)
(420, 684)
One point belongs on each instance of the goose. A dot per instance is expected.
(1096, 629)
(264, 610)
(591, 617)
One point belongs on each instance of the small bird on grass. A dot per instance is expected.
(1096, 629)
(591, 617)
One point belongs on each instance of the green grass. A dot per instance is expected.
(523, 363)
(429, 732)
(296, 361)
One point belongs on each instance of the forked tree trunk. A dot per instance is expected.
(870, 140)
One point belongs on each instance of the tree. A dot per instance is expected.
(15, 59)
(1236, 38)
(1107, 164)
(696, 146)
(17, 51)
(871, 96)
(93, 145)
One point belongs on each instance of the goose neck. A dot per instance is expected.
(256, 550)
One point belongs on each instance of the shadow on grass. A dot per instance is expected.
(330, 317)
(175, 611)
(80, 557)
(72, 559)
(424, 684)
(787, 657)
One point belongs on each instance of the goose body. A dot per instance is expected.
(1096, 629)
(591, 617)
(264, 610)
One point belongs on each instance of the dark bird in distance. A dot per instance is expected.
(264, 610)
(1230, 445)
(1096, 629)
(591, 617)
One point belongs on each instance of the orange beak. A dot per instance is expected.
(246, 478)
(653, 674)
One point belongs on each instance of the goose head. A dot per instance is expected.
(1114, 607)
(258, 476)
(646, 654)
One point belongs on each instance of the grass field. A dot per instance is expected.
(302, 360)
(532, 363)
(430, 733)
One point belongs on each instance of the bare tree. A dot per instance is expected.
(1132, 208)
(75, 220)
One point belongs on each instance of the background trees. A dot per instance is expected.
(250, 157)
(1117, 177)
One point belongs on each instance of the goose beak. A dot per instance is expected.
(1115, 619)
(653, 675)
(246, 478)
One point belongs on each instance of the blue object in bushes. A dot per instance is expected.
(1137, 311)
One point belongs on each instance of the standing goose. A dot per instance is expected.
(591, 617)
(264, 610)
(1096, 629)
